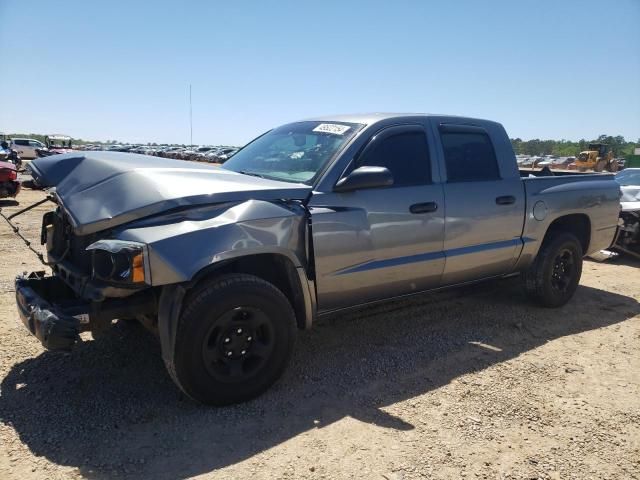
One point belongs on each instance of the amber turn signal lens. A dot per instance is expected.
(137, 268)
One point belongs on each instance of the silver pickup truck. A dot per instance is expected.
(313, 217)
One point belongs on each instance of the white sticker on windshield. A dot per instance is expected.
(333, 128)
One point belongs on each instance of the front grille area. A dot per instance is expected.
(63, 245)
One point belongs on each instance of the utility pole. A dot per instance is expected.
(190, 119)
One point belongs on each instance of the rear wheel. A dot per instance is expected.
(234, 339)
(554, 276)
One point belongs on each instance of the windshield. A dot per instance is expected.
(629, 177)
(296, 152)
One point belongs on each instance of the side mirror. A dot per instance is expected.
(364, 177)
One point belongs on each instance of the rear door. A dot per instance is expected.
(485, 204)
(378, 243)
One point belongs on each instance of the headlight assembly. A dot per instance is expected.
(119, 261)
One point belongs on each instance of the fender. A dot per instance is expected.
(184, 243)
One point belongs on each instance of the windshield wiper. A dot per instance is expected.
(253, 174)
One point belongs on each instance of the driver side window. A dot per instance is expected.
(405, 154)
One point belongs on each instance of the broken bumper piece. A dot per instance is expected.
(51, 312)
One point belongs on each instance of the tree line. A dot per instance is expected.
(567, 148)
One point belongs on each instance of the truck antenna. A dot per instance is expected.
(190, 119)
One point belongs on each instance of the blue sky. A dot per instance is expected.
(121, 70)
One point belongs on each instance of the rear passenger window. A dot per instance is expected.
(22, 143)
(469, 157)
(406, 155)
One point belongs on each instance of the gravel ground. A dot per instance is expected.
(472, 383)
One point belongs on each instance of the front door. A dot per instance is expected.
(382, 242)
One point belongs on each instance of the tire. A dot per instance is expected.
(234, 339)
(554, 275)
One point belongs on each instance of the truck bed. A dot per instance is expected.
(537, 172)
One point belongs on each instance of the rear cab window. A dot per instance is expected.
(469, 154)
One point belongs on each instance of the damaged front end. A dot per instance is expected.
(126, 226)
(628, 235)
(94, 281)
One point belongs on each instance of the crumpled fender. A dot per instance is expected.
(181, 244)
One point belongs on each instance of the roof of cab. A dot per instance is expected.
(371, 118)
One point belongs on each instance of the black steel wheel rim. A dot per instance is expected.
(238, 344)
(563, 270)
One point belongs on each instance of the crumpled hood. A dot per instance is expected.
(101, 190)
(630, 199)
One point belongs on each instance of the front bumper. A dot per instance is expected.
(48, 308)
(56, 315)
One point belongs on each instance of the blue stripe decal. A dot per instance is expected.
(390, 262)
(425, 257)
(483, 247)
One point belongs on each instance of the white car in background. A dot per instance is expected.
(26, 147)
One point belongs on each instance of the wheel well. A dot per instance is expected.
(274, 268)
(578, 224)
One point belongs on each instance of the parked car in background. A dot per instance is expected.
(546, 161)
(9, 155)
(26, 147)
(226, 153)
(564, 162)
(59, 143)
(9, 183)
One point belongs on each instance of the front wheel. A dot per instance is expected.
(235, 338)
(553, 277)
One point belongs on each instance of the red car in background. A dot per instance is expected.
(9, 183)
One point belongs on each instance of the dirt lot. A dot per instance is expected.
(474, 383)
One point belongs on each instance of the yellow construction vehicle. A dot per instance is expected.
(597, 158)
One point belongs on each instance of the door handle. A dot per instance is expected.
(426, 207)
(506, 200)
